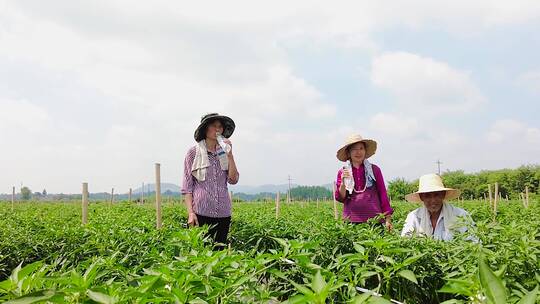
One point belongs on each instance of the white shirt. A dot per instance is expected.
(413, 224)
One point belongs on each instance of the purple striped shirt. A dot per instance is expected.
(211, 196)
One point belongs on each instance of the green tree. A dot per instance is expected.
(26, 193)
(399, 187)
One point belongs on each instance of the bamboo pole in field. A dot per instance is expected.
(507, 197)
(129, 195)
(112, 196)
(277, 204)
(495, 201)
(158, 196)
(231, 196)
(142, 195)
(317, 203)
(288, 196)
(336, 215)
(490, 196)
(85, 203)
(13, 199)
(527, 195)
(523, 199)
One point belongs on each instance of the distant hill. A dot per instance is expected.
(243, 192)
(152, 188)
(268, 188)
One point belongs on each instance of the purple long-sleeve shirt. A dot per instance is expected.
(211, 196)
(360, 181)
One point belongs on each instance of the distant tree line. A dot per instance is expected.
(511, 182)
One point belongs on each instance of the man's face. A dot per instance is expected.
(433, 200)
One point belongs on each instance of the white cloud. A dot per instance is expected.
(513, 131)
(424, 85)
(394, 124)
(109, 88)
(530, 80)
(20, 118)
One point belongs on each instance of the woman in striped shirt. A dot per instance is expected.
(208, 168)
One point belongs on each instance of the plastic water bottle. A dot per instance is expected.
(349, 181)
(221, 141)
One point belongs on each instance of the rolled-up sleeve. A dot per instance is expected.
(381, 188)
(187, 180)
(338, 184)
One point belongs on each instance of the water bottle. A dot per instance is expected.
(221, 141)
(349, 181)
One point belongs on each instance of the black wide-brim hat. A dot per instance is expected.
(227, 122)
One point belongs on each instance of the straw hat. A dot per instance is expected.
(371, 146)
(431, 183)
(227, 122)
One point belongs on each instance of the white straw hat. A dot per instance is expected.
(371, 147)
(431, 183)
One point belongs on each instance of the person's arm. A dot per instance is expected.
(187, 188)
(233, 174)
(383, 196)
(409, 226)
(192, 217)
(341, 192)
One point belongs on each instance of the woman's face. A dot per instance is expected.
(433, 200)
(213, 128)
(357, 152)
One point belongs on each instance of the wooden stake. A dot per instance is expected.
(142, 195)
(495, 201)
(112, 196)
(277, 204)
(158, 197)
(490, 196)
(288, 196)
(317, 203)
(523, 199)
(336, 215)
(231, 196)
(85, 203)
(527, 195)
(129, 195)
(13, 199)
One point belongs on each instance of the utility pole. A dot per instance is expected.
(438, 162)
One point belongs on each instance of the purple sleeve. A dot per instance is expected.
(187, 180)
(338, 183)
(383, 195)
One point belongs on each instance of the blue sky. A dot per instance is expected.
(100, 91)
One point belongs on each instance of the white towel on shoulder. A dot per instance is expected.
(201, 161)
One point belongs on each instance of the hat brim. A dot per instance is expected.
(227, 122)
(450, 194)
(371, 148)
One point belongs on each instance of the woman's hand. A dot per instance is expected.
(388, 224)
(344, 174)
(228, 141)
(192, 220)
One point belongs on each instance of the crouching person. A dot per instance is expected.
(436, 218)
